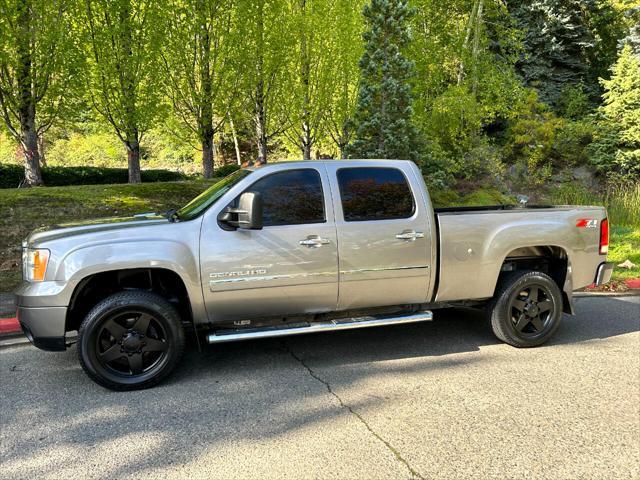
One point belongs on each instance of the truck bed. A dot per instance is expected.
(473, 243)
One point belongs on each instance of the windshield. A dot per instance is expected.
(210, 196)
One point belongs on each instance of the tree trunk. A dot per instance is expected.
(236, 145)
(260, 114)
(465, 44)
(260, 121)
(206, 98)
(27, 102)
(307, 141)
(207, 154)
(133, 158)
(305, 74)
(29, 141)
(41, 151)
(476, 46)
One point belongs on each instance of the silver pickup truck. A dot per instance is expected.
(299, 247)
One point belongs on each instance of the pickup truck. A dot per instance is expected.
(299, 247)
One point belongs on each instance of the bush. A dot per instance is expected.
(225, 170)
(11, 176)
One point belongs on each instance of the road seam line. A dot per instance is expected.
(390, 447)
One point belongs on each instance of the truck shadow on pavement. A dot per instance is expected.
(56, 422)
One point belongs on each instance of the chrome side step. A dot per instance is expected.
(338, 324)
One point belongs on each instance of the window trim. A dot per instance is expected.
(322, 192)
(414, 206)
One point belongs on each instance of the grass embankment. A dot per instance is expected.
(623, 208)
(23, 210)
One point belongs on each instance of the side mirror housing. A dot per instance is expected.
(248, 213)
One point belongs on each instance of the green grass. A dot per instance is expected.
(23, 210)
(623, 208)
(625, 245)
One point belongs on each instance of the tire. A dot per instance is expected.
(526, 309)
(130, 340)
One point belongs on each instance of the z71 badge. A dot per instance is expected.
(587, 223)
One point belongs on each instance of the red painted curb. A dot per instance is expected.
(9, 325)
(633, 283)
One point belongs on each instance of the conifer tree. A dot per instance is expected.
(383, 118)
(557, 44)
(617, 145)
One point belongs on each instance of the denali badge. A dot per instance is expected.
(239, 273)
(587, 223)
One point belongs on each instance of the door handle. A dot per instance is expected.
(409, 235)
(314, 241)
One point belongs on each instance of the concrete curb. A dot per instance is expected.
(631, 293)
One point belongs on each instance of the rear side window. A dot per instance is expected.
(374, 194)
(292, 197)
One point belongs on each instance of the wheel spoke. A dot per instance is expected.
(534, 293)
(135, 363)
(545, 306)
(537, 324)
(154, 345)
(141, 325)
(518, 305)
(523, 321)
(114, 328)
(111, 354)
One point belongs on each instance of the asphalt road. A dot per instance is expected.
(438, 400)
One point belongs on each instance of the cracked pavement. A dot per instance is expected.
(436, 400)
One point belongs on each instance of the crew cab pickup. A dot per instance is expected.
(300, 247)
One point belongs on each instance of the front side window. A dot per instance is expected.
(291, 197)
(374, 194)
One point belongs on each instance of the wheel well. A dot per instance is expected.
(95, 288)
(548, 259)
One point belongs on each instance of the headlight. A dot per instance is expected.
(34, 264)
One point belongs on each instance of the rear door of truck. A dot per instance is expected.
(384, 233)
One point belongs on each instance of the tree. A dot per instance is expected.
(344, 76)
(617, 145)
(557, 45)
(200, 75)
(267, 54)
(383, 117)
(312, 84)
(123, 41)
(38, 65)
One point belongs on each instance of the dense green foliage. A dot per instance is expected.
(494, 92)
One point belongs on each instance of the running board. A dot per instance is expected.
(338, 324)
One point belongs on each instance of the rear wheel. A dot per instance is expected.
(130, 340)
(526, 310)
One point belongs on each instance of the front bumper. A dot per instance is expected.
(603, 274)
(44, 326)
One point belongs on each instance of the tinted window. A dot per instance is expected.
(291, 198)
(374, 194)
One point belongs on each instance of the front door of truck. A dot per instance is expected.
(288, 267)
(384, 235)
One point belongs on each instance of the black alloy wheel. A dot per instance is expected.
(131, 343)
(130, 340)
(526, 309)
(532, 310)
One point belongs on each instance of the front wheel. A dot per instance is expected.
(130, 340)
(526, 309)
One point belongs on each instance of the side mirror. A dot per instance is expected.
(248, 213)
